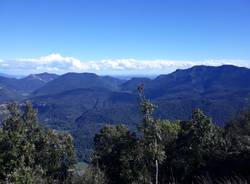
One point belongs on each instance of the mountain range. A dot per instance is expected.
(82, 103)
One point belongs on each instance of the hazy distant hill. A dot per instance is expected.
(7, 95)
(10, 76)
(45, 77)
(17, 89)
(7, 89)
(202, 81)
(71, 81)
(35, 81)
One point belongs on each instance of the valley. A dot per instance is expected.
(82, 103)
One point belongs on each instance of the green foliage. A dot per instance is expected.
(127, 158)
(169, 131)
(118, 154)
(161, 151)
(200, 137)
(153, 149)
(238, 134)
(92, 175)
(30, 153)
(198, 141)
(26, 175)
(193, 151)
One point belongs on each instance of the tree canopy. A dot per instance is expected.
(30, 153)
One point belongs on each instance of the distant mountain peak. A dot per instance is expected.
(44, 77)
(71, 81)
(36, 77)
(225, 66)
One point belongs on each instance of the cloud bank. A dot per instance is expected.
(56, 63)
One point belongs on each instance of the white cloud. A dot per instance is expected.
(59, 64)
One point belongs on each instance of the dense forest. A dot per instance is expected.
(83, 103)
(159, 151)
(32, 154)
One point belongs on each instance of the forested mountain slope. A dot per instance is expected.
(83, 103)
(16, 89)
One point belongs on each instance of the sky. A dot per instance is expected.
(122, 36)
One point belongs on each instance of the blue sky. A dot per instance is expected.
(87, 35)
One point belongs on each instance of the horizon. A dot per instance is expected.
(58, 64)
(118, 76)
(126, 37)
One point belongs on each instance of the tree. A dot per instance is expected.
(118, 154)
(198, 141)
(92, 175)
(238, 134)
(170, 131)
(16, 150)
(30, 153)
(152, 140)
